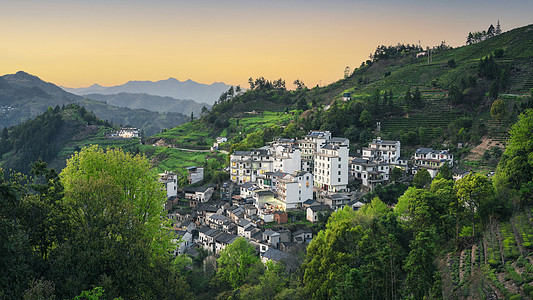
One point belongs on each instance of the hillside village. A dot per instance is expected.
(287, 182)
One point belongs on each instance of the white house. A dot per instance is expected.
(170, 181)
(294, 189)
(432, 160)
(331, 168)
(195, 174)
(314, 210)
(382, 151)
(185, 240)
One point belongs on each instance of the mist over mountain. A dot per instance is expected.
(170, 87)
(151, 102)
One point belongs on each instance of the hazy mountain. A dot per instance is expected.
(151, 102)
(24, 96)
(171, 87)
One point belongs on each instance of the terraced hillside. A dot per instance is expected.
(498, 266)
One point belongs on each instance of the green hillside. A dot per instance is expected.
(53, 137)
(24, 96)
(441, 100)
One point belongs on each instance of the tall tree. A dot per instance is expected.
(515, 169)
(237, 261)
(473, 191)
(136, 181)
(422, 178)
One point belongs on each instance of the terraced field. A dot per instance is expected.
(498, 266)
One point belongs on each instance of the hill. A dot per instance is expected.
(151, 102)
(170, 87)
(439, 96)
(24, 96)
(53, 137)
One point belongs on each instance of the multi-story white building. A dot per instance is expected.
(293, 189)
(432, 160)
(331, 168)
(309, 145)
(195, 174)
(382, 151)
(246, 166)
(370, 173)
(287, 159)
(170, 181)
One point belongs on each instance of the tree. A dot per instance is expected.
(254, 140)
(515, 169)
(236, 262)
(329, 251)
(396, 174)
(192, 116)
(498, 110)
(473, 191)
(498, 29)
(302, 104)
(137, 185)
(346, 72)
(299, 84)
(469, 38)
(365, 118)
(422, 178)
(491, 31)
(115, 235)
(419, 264)
(417, 97)
(445, 171)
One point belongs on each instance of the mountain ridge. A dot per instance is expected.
(170, 87)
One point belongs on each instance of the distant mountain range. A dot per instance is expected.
(24, 96)
(171, 87)
(151, 102)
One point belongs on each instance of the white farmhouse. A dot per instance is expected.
(432, 160)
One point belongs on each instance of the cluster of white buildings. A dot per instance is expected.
(125, 133)
(291, 170)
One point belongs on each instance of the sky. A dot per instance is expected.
(76, 43)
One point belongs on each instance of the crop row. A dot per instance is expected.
(510, 249)
(524, 230)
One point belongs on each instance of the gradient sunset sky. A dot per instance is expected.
(109, 42)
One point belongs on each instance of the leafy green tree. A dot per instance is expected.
(396, 174)
(254, 140)
(498, 110)
(473, 191)
(422, 178)
(329, 252)
(237, 261)
(446, 171)
(419, 265)
(365, 118)
(302, 104)
(515, 169)
(137, 185)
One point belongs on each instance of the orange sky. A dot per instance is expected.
(78, 43)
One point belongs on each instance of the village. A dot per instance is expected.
(277, 192)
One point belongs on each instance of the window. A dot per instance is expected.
(339, 173)
(339, 180)
(339, 166)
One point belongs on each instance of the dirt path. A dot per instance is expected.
(461, 266)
